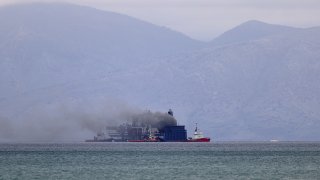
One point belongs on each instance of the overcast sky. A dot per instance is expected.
(206, 19)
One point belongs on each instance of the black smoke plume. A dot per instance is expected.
(154, 119)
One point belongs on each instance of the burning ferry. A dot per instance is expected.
(148, 127)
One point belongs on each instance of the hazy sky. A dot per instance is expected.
(206, 19)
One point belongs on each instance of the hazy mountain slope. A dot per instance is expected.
(84, 29)
(251, 30)
(47, 45)
(262, 89)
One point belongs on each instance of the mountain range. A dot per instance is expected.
(257, 81)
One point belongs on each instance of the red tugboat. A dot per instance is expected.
(198, 136)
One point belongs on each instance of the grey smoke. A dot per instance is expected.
(68, 121)
(76, 121)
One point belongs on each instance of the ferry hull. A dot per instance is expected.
(144, 140)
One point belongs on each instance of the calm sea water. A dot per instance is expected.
(161, 161)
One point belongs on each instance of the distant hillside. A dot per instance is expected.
(56, 40)
(251, 30)
(256, 89)
(65, 29)
(46, 45)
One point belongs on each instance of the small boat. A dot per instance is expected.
(198, 136)
(151, 138)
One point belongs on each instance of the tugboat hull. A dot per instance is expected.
(199, 140)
